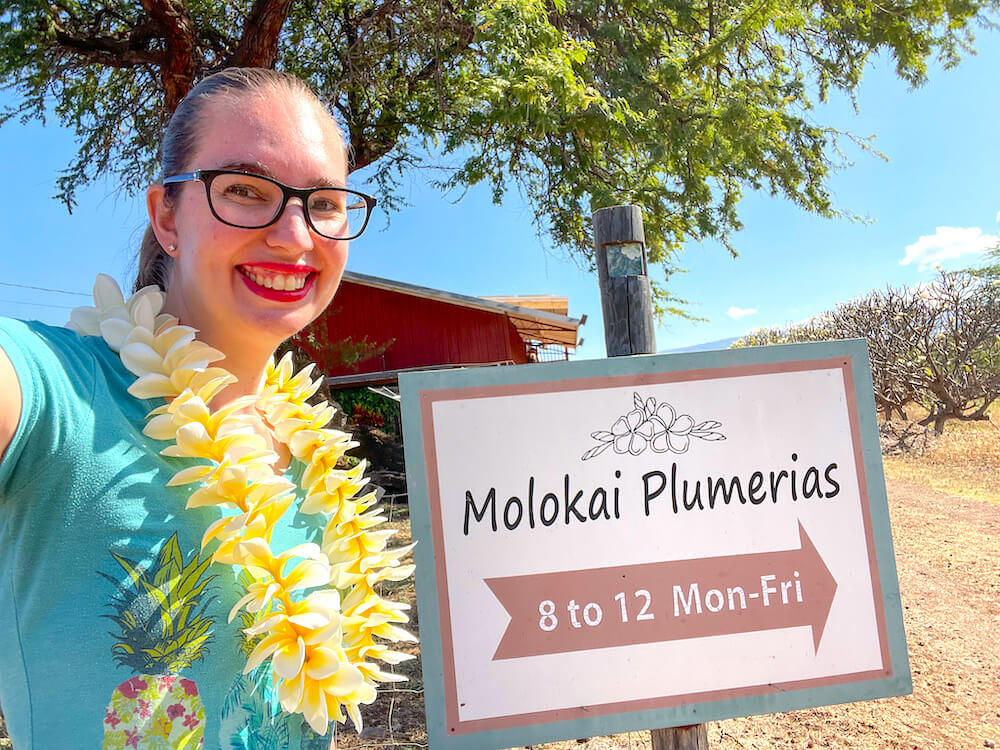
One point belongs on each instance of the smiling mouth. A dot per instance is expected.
(277, 281)
(281, 282)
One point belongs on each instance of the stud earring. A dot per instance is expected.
(171, 248)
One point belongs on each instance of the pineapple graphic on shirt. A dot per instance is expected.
(162, 629)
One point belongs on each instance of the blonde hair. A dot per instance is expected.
(180, 141)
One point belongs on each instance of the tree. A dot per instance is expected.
(959, 348)
(937, 345)
(673, 105)
(891, 322)
(812, 330)
(991, 270)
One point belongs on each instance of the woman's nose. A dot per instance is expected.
(291, 231)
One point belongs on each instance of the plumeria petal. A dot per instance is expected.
(309, 620)
(308, 574)
(678, 443)
(152, 385)
(314, 708)
(86, 320)
(115, 331)
(321, 663)
(290, 693)
(188, 475)
(144, 313)
(289, 658)
(661, 442)
(140, 358)
(107, 293)
(264, 649)
(682, 425)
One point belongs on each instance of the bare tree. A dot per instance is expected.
(937, 345)
(959, 348)
(889, 321)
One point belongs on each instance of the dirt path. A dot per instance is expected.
(948, 559)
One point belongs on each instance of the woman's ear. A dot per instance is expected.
(162, 218)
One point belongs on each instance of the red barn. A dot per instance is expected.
(389, 326)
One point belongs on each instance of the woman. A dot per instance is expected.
(183, 561)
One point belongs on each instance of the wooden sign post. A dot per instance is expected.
(637, 542)
(626, 300)
(627, 305)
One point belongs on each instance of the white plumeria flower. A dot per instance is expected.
(112, 317)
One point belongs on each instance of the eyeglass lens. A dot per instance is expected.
(252, 202)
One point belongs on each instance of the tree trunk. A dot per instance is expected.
(939, 419)
(177, 76)
(259, 44)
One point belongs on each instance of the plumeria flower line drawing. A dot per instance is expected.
(654, 426)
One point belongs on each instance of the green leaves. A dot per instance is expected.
(676, 106)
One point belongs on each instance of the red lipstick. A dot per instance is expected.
(281, 295)
(281, 267)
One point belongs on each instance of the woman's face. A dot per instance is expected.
(224, 278)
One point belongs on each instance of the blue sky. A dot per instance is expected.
(935, 201)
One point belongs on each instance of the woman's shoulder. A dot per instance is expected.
(35, 336)
(56, 367)
(31, 344)
(67, 383)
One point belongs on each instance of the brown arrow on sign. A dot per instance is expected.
(577, 610)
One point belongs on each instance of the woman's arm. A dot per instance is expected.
(10, 402)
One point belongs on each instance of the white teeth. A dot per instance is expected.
(279, 282)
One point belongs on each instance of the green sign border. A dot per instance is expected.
(413, 384)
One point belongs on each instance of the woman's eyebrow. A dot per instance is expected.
(325, 182)
(256, 167)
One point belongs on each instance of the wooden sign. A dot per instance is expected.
(650, 541)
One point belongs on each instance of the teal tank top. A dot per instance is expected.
(113, 623)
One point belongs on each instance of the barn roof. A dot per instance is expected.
(531, 323)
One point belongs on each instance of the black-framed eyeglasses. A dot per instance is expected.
(252, 201)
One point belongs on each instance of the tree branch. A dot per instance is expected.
(177, 76)
(113, 51)
(258, 45)
(365, 148)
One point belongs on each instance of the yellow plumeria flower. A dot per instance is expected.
(337, 486)
(321, 649)
(255, 525)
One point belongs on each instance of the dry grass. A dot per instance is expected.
(964, 460)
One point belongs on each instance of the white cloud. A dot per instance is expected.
(741, 312)
(948, 243)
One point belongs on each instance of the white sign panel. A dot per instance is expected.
(612, 544)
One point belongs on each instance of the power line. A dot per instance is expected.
(36, 304)
(43, 289)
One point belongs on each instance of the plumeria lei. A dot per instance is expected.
(316, 612)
